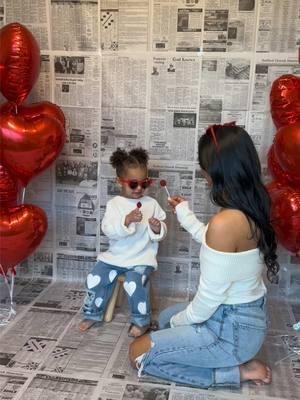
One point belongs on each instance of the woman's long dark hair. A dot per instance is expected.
(232, 162)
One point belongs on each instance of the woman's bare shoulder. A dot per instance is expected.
(226, 229)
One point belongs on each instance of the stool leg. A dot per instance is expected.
(109, 312)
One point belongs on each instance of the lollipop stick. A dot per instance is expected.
(168, 193)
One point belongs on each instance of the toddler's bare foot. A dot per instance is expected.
(137, 331)
(257, 371)
(85, 324)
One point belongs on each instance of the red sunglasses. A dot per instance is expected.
(134, 183)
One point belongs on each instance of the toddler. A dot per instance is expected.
(133, 222)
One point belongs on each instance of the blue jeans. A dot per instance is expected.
(209, 353)
(101, 282)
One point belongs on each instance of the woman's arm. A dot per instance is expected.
(187, 218)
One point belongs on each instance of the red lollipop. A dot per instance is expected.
(139, 204)
(163, 183)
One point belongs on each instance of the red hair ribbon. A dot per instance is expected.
(212, 128)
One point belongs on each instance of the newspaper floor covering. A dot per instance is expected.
(44, 356)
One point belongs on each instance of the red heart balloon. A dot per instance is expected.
(287, 148)
(278, 173)
(35, 109)
(285, 215)
(22, 229)
(29, 142)
(8, 188)
(19, 62)
(285, 100)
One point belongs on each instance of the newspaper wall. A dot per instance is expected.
(152, 74)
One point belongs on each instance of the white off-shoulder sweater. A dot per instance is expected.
(226, 278)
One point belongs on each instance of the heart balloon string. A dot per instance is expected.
(6, 313)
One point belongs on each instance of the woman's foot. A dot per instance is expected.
(137, 331)
(257, 371)
(85, 324)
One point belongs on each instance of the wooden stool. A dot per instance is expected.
(118, 296)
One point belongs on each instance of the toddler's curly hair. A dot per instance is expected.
(121, 159)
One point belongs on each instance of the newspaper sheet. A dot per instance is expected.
(73, 267)
(211, 26)
(48, 355)
(11, 385)
(32, 14)
(172, 134)
(77, 80)
(49, 387)
(267, 69)
(228, 79)
(228, 26)
(124, 81)
(42, 88)
(2, 13)
(177, 25)
(122, 127)
(83, 133)
(74, 25)
(278, 26)
(124, 25)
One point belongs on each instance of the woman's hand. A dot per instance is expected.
(174, 201)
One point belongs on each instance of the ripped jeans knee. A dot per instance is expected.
(90, 309)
